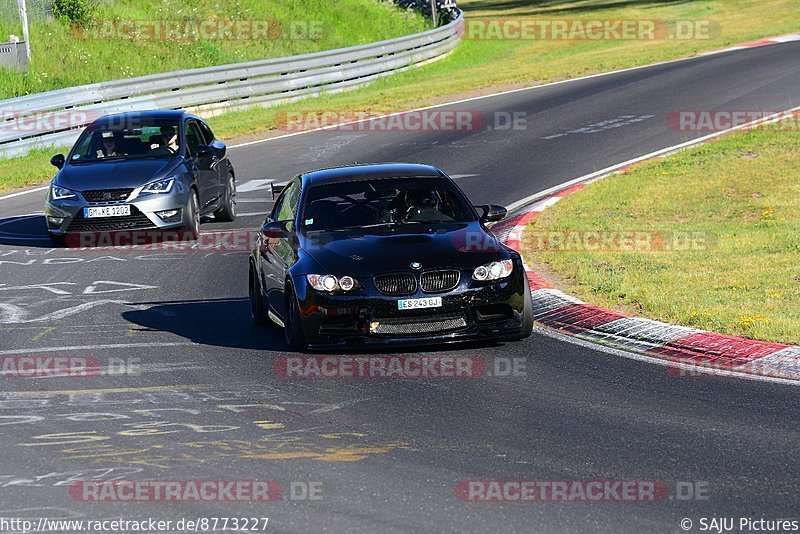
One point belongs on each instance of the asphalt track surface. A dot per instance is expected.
(203, 401)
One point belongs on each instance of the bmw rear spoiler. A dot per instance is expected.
(276, 189)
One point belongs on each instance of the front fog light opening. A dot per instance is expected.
(54, 223)
(169, 215)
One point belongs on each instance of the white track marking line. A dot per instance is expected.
(97, 347)
(20, 193)
(254, 185)
(481, 97)
(663, 152)
(445, 104)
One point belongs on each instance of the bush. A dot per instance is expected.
(75, 11)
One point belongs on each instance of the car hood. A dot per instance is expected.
(387, 249)
(115, 174)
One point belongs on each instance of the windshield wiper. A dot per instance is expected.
(359, 226)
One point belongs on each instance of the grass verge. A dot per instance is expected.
(728, 217)
(122, 39)
(481, 65)
(32, 169)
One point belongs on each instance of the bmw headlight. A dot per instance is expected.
(61, 193)
(329, 283)
(495, 270)
(161, 186)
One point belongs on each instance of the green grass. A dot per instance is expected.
(478, 65)
(487, 65)
(739, 196)
(64, 56)
(31, 169)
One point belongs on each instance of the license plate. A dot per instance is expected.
(415, 304)
(107, 211)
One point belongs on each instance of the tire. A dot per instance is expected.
(191, 226)
(257, 307)
(59, 241)
(227, 213)
(293, 324)
(527, 315)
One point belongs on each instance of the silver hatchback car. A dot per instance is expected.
(141, 171)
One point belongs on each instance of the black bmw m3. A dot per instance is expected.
(385, 254)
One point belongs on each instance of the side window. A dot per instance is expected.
(194, 138)
(206, 131)
(286, 208)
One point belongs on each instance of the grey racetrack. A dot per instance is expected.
(204, 402)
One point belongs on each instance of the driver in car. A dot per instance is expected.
(109, 148)
(169, 142)
(422, 206)
(170, 137)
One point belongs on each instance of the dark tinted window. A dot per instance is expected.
(194, 138)
(128, 139)
(384, 201)
(206, 131)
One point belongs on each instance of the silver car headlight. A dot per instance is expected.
(495, 270)
(160, 186)
(329, 283)
(61, 193)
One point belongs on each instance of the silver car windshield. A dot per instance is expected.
(148, 141)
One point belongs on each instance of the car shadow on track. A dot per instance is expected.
(228, 323)
(31, 231)
(220, 322)
(25, 230)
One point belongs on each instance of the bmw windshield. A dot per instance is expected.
(110, 143)
(383, 202)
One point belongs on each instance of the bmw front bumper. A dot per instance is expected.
(471, 312)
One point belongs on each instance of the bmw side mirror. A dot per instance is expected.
(57, 161)
(493, 213)
(275, 230)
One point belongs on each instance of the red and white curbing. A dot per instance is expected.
(763, 42)
(688, 348)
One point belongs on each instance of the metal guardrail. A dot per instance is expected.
(265, 82)
(13, 56)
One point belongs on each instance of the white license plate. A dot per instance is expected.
(107, 211)
(415, 304)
